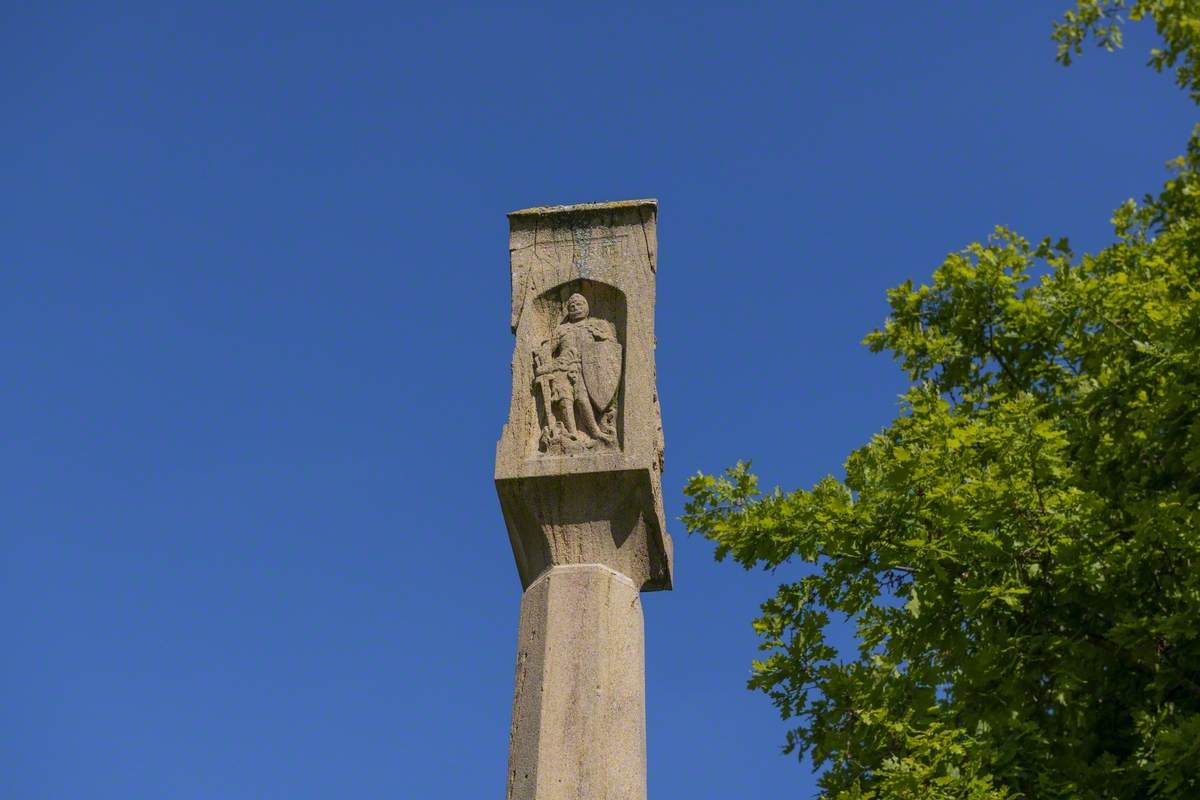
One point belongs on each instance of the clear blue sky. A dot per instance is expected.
(254, 295)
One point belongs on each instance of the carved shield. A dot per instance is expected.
(601, 370)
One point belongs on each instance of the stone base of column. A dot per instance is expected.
(579, 711)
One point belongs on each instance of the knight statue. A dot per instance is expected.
(577, 371)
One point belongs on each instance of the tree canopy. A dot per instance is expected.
(1019, 549)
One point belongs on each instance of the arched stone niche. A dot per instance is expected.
(578, 370)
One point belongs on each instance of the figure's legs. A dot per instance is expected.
(564, 399)
(587, 418)
(568, 417)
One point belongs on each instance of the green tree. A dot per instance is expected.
(1020, 549)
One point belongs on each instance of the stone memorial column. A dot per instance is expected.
(578, 470)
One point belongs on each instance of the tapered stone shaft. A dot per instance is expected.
(578, 474)
(579, 710)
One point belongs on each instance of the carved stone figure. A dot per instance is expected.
(577, 372)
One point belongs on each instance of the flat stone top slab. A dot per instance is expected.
(577, 207)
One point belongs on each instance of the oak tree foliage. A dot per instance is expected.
(1020, 549)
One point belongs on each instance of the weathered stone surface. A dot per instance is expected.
(584, 402)
(578, 473)
(582, 518)
(579, 709)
